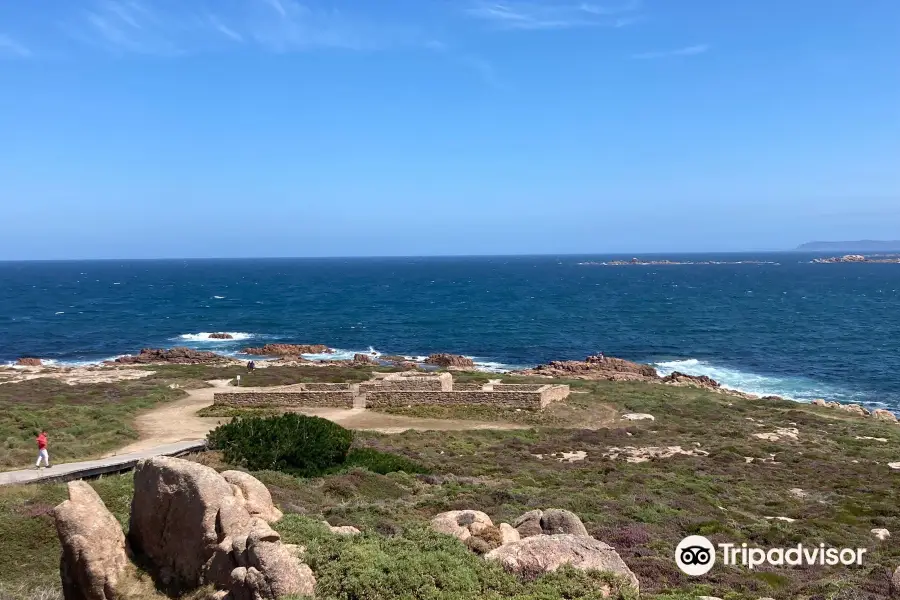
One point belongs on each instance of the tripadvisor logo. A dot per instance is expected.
(695, 555)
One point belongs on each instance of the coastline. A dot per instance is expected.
(728, 380)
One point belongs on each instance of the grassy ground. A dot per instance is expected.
(642, 509)
(82, 421)
(86, 421)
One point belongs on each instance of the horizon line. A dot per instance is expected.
(414, 256)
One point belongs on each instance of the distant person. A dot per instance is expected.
(43, 455)
(250, 366)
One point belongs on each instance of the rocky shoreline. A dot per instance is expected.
(858, 258)
(592, 368)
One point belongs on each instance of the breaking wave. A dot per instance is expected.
(801, 389)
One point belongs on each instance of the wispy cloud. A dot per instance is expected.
(536, 15)
(177, 28)
(10, 47)
(686, 51)
(224, 29)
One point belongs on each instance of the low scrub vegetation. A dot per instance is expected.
(297, 444)
(427, 565)
(830, 484)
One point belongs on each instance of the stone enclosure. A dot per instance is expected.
(398, 389)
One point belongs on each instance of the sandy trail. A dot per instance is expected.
(178, 421)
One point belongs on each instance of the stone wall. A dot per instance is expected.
(470, 387)
(553, 393)
(526, 400)
(338, 399)
(341, 395)
(326, 387)
(407, 383)
(518, 387)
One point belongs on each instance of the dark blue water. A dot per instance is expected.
(795, 329)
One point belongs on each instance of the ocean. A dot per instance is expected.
(791, 328)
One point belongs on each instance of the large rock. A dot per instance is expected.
(221, 336)
(178, 356)
(508, 534)
(549, 522)
(461, 524)
(364, 359)
(29, 362)
(543, 553)
(178, 514)
(256, 496)
(529, 524)
(196, 528)
(884, 415)
(559, 521)
(678, 378)
(288, 350)
(596, 368)
(450, 360)
(93, 545)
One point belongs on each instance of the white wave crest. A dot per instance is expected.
(801, 389)
(342, 354)
(203, 336)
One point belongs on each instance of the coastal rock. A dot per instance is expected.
(884, 415)
(552, 521)
(195, 528)
(394, 358)
(529, 524)
(256, 497)
(364, 359)
(881, 533)
(176, 356)
(558, 521)
(508, 534)
(221, 336)
(288, 350)
(93, 545)
(29, 362)
(461, 524)
(175, 513)
(855, 409)
(450, 360)
(344, 530)
(639, 417)
(678, 378)
(543, 553)
(595, 368)
(819, 402)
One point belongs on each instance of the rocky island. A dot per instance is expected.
(858, 258)
(664, 262)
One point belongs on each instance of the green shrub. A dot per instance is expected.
(426, 565)
(296, 444)
(382, 463)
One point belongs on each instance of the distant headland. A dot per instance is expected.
(861, 246)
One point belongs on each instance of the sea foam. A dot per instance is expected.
(801, 389)
(203, 336)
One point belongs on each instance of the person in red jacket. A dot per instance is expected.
(43, 455)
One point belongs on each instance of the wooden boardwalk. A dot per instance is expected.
(100, 466)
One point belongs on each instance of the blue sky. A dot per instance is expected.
(173, 128)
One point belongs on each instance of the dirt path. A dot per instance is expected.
(178, 421)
